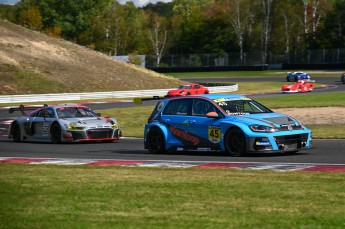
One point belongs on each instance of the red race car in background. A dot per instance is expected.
(188, 89)
(299, 86)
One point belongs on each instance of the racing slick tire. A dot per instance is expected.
(55, 133)
(235, 142)
(15, 132)
(155, 141)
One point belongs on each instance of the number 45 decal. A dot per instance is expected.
(214, 134)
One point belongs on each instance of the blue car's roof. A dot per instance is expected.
(218, 96)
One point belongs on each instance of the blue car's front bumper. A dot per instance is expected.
(279, 143)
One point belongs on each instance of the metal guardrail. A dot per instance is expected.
(100, 95)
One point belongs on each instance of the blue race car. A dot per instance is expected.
(231, 123)
(295, 76)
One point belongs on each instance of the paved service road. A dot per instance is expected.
(323, 152)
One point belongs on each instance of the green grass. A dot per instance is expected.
(305, 100)
(224, 74)
(26, 81)
(50, 196)
(327, 131)
(262, 87)
(268, 73)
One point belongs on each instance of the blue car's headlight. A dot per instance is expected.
(261, 128)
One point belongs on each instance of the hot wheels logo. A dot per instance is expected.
(184, 135)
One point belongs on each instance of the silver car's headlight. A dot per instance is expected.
(115, 126)
(74, 127)
(261, 128)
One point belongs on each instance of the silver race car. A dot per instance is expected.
(63, 123)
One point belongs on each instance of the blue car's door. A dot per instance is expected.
(207, 129)
(176, 117)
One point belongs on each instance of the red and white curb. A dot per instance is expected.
(303, 167)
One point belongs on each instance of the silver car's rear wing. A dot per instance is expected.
(23, 108)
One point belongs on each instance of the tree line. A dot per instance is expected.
(188, 26)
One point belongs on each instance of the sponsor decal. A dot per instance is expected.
(184, 123)
(214, 134)
(184, 135)
(289, 127)
(160, 106)
(45, 129)
(236, 113)
(263, 143)
(229, 99)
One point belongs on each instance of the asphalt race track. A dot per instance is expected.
(323, 151)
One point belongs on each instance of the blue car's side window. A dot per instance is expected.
(202, 107)
(177, 107)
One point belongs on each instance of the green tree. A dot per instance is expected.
(332, 33)
(157, 35)
(31, 18)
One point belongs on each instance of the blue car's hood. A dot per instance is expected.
(267, 119)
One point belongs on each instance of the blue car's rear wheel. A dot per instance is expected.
(235, 142)
(155, 141)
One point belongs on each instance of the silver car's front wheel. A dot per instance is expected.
(56, 133)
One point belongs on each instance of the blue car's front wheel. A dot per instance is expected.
(155, 141)
(235, 142)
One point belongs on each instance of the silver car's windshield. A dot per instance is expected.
(242, 107)
(75, 112)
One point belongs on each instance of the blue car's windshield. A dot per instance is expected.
(242, 107)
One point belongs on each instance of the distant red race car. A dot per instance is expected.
(188, 89)
(299, 86)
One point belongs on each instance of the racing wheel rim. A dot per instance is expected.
(235, 143)
(56, 133)
(16, 132)
(155, 141)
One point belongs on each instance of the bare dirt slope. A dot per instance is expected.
(316, 115)
(71, 68)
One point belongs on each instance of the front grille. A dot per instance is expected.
(288, 139)
(290, 127)
(97, 134)
(299, 140)
(77, 136)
